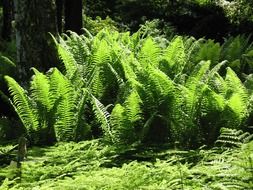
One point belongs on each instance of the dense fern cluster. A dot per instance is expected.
(141, 89)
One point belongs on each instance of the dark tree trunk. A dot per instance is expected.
(34, 20)
(59, 8)
(73, 15)
(7, 18)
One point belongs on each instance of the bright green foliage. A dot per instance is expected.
(237, 100)
(232, 137)
(140, 89)
(175, 58)
(149, 53)
(23, 105)
(63, 92)
(126, 119)
(51, 111)
(161, 94)
(94, 165)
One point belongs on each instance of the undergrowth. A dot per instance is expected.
(91, 165)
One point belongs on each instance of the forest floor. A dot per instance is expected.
(94, 165)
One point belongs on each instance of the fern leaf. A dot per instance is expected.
(40, 89)
(118, 122)
(62, 94)
(209, 50)
(102, 54)
(174, 58)
(23, 105)
(103, 117)
(149, 53)
(68, 60)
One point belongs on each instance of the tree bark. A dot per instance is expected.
(7, 18)
(34, 20)
(59, 8)
(73, 15)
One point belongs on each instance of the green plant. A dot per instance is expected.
(51, 108)
(232, 137)
(160, 93)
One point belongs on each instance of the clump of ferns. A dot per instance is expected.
(54, 108)
(120, 58)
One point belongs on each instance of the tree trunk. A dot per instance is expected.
(59, 8)
(34, 20)
(7, 18)
(73, 15)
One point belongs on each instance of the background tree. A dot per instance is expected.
(73, 15)
(59, 8)
(7, 18)
(34, 20)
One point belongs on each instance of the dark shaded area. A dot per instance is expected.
(59, 9)
(7, 19)
(188, 17)
(73, 15)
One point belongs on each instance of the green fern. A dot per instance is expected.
(126, 119)
(68, 60)
(40, 90)
(149, 54)
(62, 93)
(102, 53)
(23, 105)
(232, 137)
(237, 100)
(174, 58)
(103, 117)
(209, 50)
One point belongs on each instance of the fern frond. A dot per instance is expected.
(79, 46)
(40, 90)
(23, 105)
(103, 117)
(133, 106)
(119, 122)
(209, 50)
(237, 98)
(149, 53)
(68, 60)
(102, 53)
(232, 137)
(174, 58)
(62, 94)
(234, 47)
(198, 75)
(82, 128)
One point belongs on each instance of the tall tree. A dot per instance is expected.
(34, 20)
(7, 18)
(73, 15)
(59, 7)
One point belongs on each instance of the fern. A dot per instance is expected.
(209, 50)
(234, 47)
(118, 121)
(103, 117)
(23, 105)
(68, 60)
(174, 58)
(102, 53)
(237, 99)
(62, 93)
(149, 53)
(40, 90)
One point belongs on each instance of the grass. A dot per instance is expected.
(94, 165)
